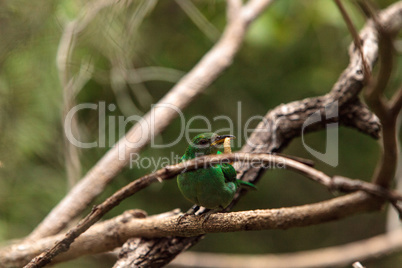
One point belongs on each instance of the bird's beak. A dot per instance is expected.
(221, 138)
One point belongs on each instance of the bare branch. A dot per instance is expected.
(374, 96)
(358, 116)
(233, 9)
(253, 8)
(374, 93)
(356, 39)
(345, 185)
(112, 233)
(101, 237)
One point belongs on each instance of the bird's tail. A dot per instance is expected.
(247, 185)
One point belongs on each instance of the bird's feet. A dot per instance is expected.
(206, 216)
(209, 212)
(191, 211)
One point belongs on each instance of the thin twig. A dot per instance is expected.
(356, 39)
(375, 91)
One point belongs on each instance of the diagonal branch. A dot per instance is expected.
(112, 233)
(356, 39)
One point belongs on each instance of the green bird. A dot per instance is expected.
(215, 186)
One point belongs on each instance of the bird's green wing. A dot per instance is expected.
(230, 176)
(229, 172)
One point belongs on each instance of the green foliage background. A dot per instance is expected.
(295, 50)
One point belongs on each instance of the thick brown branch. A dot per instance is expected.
(112, 233)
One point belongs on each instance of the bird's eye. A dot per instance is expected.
(203, 142)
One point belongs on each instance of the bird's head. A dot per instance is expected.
(206, 143)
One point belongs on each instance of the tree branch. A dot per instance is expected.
(112, 233)
(356, 39)
(358, 116)
(385, 109)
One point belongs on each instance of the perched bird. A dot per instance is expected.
(215, 186)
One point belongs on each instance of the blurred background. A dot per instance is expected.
(130, 54)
